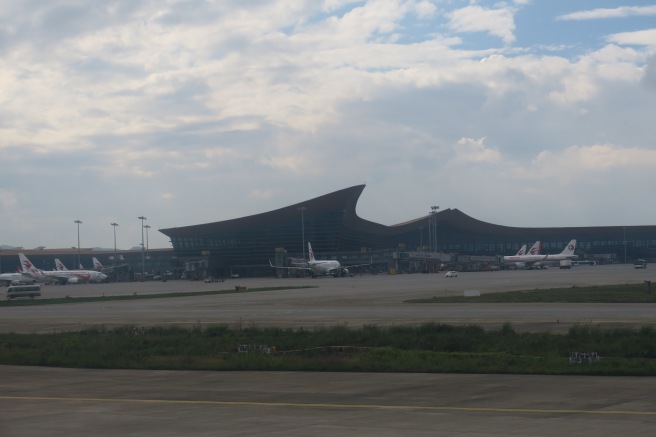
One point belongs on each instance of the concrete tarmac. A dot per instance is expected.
(81, 402)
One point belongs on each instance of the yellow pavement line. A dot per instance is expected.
(321, 405)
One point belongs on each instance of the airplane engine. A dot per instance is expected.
(520, 265)
(73, 280)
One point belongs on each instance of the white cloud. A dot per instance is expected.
(471, 150)
(640, 37)
(496, 22)
(425, 9)
(581, 163)
(260, 194)
(603, 13)
(8, 199)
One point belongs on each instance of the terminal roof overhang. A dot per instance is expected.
(346, 201)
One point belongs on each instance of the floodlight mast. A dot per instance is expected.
(147, 227)
(79, 222)
(143, 256)
(114, 225)
(303, 209)
(434, 214)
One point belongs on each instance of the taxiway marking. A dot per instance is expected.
(323, 405)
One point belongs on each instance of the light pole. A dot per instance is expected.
(143, 259)
(624, 244)
(147, 227)
(114, 225)
(434, 212)
(430, 232)
(79, 222)
(302, 209)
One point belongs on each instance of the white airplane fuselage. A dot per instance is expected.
(64, 276)
(524, 258)
(72, 276)
(327, 267)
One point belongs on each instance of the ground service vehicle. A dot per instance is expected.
(640, 264)
(30, 291)
(451, 274)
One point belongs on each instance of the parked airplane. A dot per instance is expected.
(15, 279)
(521, 257)
(62, 276)
(522, 261)
(59, 266)
(566, 254)
(97, 265)
(535, 249)
(321, 267)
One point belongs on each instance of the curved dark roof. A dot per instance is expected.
(344, 200)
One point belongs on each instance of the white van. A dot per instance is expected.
(30, 291)
(640, 264)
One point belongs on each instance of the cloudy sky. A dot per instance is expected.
(517, 112)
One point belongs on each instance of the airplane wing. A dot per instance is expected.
(371, 261)
(69, 276)
(290, 268)
(358, 265)
(57, 278)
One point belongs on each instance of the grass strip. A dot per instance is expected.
(427, 348)
(136, 296)
(622, 293)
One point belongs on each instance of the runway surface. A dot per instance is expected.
(80, 402)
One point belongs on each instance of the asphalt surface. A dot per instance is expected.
(80, 402)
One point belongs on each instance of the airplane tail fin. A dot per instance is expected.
(310, 253)
(59, 265)
(522, 251)
(536, 248)
(27, 266)
(96, 264)
(569, 249)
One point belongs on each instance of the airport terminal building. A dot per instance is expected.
(441, 239)
(247, 245)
